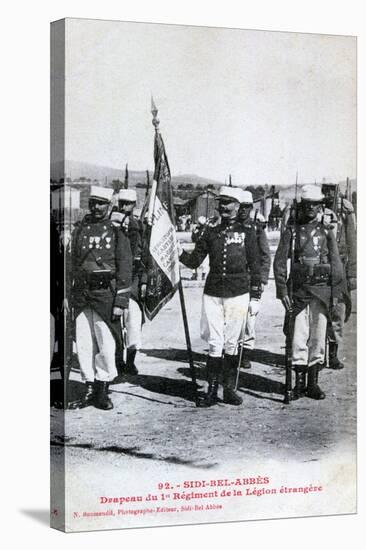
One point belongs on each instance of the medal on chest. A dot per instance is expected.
(100, 241)
(235, 238)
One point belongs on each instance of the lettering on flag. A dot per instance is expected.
(163, 243)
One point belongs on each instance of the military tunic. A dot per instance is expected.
(233, 255)
(101, 272)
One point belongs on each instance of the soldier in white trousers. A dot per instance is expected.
(233, 277)
(101, 279)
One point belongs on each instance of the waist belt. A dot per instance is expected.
(311, 274)
(313, 260)
(96, 280)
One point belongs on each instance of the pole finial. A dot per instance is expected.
(154, 112)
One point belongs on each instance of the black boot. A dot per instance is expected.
(229, 380)
(120, 364)
(102, 400)
(313, 390)
(214, 367)
(130, 363)
(300, 382)
(87, 399)
(245, 363)
(334, 362)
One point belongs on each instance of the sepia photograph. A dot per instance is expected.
(203, 221)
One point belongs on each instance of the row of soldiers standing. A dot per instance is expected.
(107, 283)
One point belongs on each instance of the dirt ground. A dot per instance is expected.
(155, 417)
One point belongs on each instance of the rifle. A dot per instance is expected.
(241, 350)
(124, 336)
(290, 314)
(290, 328)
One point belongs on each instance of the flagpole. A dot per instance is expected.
(156, 122)
(147, 184)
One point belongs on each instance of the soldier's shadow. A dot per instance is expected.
(266, 357)
(175, 354)
(253, 384)
(164, 386)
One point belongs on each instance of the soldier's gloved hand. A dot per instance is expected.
(116, 219)
(253, 307)
(287, 303)
(352, 283)
(117, 312)
(143, 291)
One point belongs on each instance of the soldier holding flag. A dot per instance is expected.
(234, 277)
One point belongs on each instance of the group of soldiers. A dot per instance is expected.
(105, 287)
(314, 270)
(319, 242)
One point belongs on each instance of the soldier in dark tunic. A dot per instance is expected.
(316, 279)
(134, 230)
(101, 272)
(251, 218)
(234, 275)
(339, 213)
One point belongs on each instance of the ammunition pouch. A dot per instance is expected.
(99, 279)
(311, 273)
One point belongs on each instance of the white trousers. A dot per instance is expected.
(222, 322)
(133, 325)
(308, 345)
(95, 347)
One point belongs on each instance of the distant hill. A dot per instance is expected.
(76, 170)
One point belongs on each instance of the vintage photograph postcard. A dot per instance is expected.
(203, 212)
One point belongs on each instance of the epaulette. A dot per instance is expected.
(212, 222)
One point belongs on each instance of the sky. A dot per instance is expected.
(258, 105)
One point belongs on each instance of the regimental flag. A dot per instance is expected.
(163, 259)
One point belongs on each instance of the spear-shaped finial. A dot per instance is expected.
(126, 176)
(154, 112)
